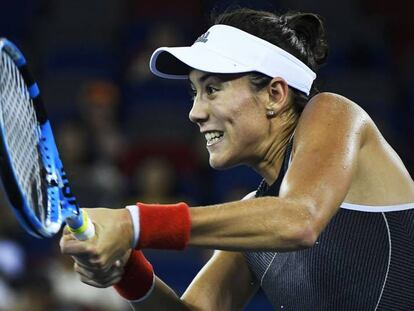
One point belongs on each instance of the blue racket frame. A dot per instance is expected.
(61, 202)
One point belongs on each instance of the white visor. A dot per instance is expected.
(226, 49)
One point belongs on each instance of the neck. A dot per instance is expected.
(270, 165)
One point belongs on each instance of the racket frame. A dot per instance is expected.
(61, 204)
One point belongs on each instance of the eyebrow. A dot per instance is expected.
(208, 75)
(220, 77)
(205, 76)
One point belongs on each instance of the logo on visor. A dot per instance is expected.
(203, 38)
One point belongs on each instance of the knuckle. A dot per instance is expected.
(92, 251)
(109, 282)
(98, 263)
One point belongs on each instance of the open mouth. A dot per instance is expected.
(213, 137)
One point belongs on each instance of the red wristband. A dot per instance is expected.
(138, 277)
(164, 226)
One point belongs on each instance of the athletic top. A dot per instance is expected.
(363, 260)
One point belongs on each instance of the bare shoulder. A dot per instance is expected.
(328, 104)
(330, 115)
(333, 122)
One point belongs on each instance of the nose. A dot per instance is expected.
(199, 112)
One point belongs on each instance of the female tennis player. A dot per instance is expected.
(331, 226)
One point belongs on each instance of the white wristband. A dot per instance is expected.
(134, 212)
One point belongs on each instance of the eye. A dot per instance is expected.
(210, 90)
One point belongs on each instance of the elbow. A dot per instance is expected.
(300, 237)
(305, 229)
(299, 231)
(306, 237)
(295, 226)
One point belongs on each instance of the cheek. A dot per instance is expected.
(245, 138)
(244, 135)
(242, 107)
(250, 121)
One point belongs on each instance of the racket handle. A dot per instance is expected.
(81, 226)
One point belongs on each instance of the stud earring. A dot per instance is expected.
(270, 113)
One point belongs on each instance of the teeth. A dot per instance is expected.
(212, 137)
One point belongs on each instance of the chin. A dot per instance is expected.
(220, 164)
(216, 163)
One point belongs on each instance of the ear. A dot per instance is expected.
(278, 92)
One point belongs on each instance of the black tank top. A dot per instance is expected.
(361, 261)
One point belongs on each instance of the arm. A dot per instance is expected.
(161, 298)
(328, 138)
(212, 289)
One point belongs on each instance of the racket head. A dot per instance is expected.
(31, 170)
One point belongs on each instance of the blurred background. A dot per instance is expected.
(124, 134)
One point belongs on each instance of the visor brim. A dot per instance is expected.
(177, 62)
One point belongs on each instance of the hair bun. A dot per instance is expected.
(310, 30)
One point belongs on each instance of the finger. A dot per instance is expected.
(72, 246)
(88, 257)
(66, 236)
(83, 272)
(77, 249)
(87, 263)
(100, 262)
(101, 285)
(98, 278)
(98, 275)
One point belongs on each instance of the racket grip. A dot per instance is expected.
(81, 226)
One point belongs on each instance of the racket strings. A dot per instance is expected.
(20, 128)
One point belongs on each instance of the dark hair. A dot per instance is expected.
(301, 34)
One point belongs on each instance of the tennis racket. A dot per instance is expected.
(31, 170)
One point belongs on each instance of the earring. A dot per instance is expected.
(270, 113)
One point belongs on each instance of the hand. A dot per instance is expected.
(102, 278)
(113, 236)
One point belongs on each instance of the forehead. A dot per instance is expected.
(198, 76)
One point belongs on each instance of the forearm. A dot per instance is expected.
(161, 298)
(268, 223)
(212, 289)
(142, 288)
